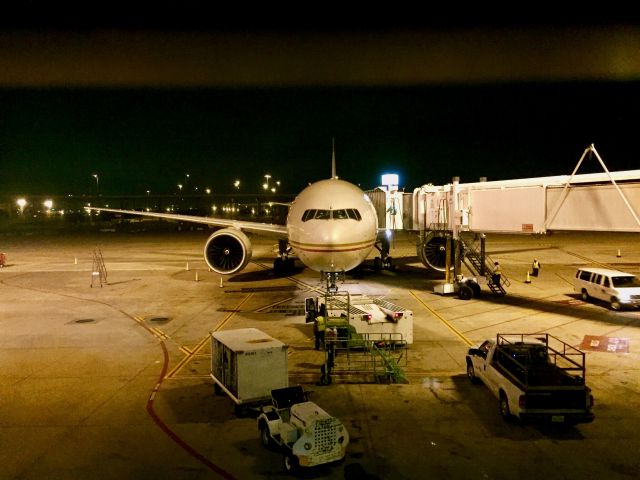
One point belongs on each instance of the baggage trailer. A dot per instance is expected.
(247, 364)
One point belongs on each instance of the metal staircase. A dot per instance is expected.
(99, 270)
(481, 264)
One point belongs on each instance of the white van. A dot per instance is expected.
(612, 286)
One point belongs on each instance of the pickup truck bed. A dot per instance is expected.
(534, 377)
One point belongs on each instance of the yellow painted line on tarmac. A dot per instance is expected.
(185, 350)
(204, 341)
(443, 320)
(274, 304)
(159, 333)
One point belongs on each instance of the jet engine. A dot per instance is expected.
(227, 251)
(432, 252)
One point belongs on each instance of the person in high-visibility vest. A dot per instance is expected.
(319, 327)
(497, 274)
(535, 267)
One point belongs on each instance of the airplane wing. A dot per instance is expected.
(268, 229)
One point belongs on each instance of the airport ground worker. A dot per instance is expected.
(496, 277)
(535, 267)
(319, 328)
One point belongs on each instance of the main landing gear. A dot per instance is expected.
(283, 264)
(384, 261)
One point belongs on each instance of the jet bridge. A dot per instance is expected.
(452, 219)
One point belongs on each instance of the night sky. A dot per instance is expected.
(525, 114)
(53, 140)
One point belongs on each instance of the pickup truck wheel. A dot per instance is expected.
(471, 374)
(504, 407)
(290, 463)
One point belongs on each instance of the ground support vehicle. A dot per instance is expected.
(306, 435)
(247, 364)
(362, 314)
(534, 377)
(361, 336)
(618, 289)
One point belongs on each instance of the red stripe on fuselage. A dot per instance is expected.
(329, 248)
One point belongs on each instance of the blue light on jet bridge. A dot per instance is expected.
(390, 180)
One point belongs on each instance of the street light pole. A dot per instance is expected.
(95, 175)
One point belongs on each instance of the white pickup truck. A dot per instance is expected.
(534, 377)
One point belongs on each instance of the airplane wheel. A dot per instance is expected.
(389, 264)
(377, 264)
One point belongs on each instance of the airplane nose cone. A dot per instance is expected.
(335, 249)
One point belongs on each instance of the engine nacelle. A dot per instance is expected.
(227, 251)
(432, 252)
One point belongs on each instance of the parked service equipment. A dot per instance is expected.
(534, 377)
(305, 434)
(247, 364)
(379, 319)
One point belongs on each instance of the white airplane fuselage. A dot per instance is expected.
(332, 226)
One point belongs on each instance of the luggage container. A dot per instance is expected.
(247, 364)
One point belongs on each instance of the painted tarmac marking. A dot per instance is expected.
(150, 410)
(261, 309)
(443, 320)
(188, 357)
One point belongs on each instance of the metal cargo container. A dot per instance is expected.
(247, 364)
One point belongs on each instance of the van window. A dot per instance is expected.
(625, 282)
(586, 276)
(597, 279)
(606, 282)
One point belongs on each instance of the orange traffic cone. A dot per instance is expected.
(528, 280)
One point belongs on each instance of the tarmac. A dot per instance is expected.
(110, 379)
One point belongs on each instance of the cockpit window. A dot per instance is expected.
(354, 213)
(341, 214)
(308, 215)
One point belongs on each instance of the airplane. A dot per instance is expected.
(332, 226)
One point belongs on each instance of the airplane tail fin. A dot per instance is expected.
(333, 158)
